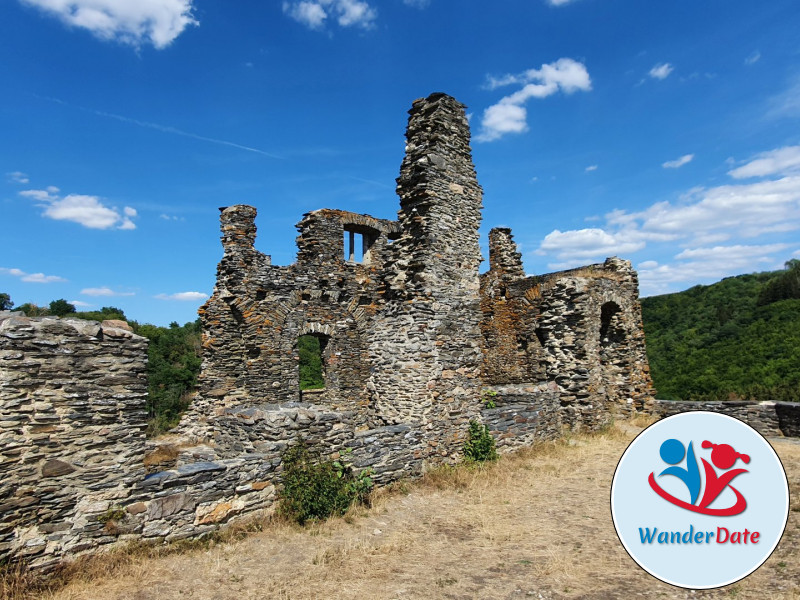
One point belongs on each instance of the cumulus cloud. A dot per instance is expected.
(88, 211)
(314, 14)
(184, 296)
(509, 114)
(104, 291)
(135, 22)
(678, 162)
(704, 221)
(781, 161)
(576, 247)
(706, 264)
(32, 277)
(591, 168)
(661, 71)
(18, 177)
(417, 3)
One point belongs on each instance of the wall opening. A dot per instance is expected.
(357, 243)
(311, 349)
(611, 330)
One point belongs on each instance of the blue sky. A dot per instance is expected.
(667, 133)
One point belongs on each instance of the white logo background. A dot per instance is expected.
(635, 505)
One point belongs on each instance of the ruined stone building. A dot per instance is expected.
(415, 343)
(412, 334)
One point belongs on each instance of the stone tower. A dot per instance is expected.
(426, 355)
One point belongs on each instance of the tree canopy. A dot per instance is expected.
(734, 339)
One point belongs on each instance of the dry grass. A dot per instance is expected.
(535, 524)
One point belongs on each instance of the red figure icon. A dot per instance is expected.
(724, 457)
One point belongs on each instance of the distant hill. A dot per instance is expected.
(736, 339)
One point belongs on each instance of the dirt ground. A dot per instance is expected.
(535, 525)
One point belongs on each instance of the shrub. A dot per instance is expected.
(316, 488)
(479, 446)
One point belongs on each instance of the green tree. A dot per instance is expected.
(310, 348)
(172, 369)
(61, 308)
(32, 310)
(104, 314)
(5, 302)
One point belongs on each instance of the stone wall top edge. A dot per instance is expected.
(82, 327)
(610, 264)
(723, 402)
(347, 218)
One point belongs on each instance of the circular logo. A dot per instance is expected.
(699, 500)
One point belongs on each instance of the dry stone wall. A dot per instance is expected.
(768, 418)
(72, 421)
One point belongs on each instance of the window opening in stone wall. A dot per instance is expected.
(357, 243)
(353, 246)
(311, 349)
(611, 331)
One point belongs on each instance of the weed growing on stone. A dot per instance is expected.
(488, 398)
(315, 488)
(480, 445)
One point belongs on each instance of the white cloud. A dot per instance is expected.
(661, 71)
(753, 58)
(88, 211)
(745, 210)
(576, 247)
(702, 220)
(310, 14)
(678, 162)
(32, 277)
(80, 304)
(509, 115)
(18, 177)
(781, 161)
(417, 3)
(39, 195)
(135, 22)
(501, 119)
(707, 264)
(184, 296)
(591, 168)
(104, 291)
(558, 2)
(347, 13)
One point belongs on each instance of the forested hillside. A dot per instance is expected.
(736, 339)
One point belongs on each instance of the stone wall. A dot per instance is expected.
(768, 418)
(581, 329)
(72, 421)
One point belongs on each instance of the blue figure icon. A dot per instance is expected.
(672, 452)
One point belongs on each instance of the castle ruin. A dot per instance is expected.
(414, 341)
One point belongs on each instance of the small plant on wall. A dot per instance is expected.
(480, 445)
(488, 398)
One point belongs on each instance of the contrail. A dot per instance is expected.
(161, 128)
